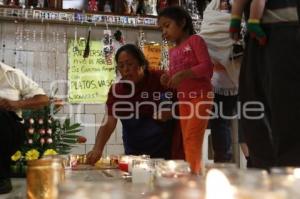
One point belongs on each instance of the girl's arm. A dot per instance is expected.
(204, 68)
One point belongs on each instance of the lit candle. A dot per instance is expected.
(218, 186)
(123, 163)
(141, 173)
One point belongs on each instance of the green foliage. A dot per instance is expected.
(44, 131)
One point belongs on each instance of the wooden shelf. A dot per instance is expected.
(68, 17)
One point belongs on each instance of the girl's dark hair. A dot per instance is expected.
(136, 53)
(179, 15)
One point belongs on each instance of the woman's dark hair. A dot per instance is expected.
(136, 53)
(179, 15)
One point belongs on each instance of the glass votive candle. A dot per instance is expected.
(142, 171)
(168, 172)
(125, 161)
(75, 159)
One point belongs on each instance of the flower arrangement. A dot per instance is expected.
(46, 135)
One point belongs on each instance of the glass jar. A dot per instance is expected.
(168, 172)
(43, 177)
(142, 171)
(125, 161)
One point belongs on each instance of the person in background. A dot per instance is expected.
(17, 92)
(269, 85)
(253, 25)
(214, 31)
(190, 73)
(143, 133)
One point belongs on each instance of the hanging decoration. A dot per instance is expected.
(108, 47)
(119, 37)
(164, 64)
(87, 45)
(192, 8)
(141, 39)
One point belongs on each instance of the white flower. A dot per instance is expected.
(49, 131)
(31, 131)
(42, 140)
(49, 140)
(42, 131)
(30, 141)
(49, 121)
(41, 121)
(31, 121)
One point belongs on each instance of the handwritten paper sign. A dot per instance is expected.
(89, 78)
(153, 54)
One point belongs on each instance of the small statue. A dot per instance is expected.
(93, 6)
(107, 7)
(161, 5)
(141, 7)
(118, 6)
(128, 6)
(12, 2)
(151, 7)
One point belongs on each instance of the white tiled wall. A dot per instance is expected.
(44, 59)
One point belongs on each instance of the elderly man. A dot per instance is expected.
(17, 92)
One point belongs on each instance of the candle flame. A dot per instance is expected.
(297, 173)
(218, 186)
(172, 165)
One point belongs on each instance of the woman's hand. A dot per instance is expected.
(93, 156)
(164, 79)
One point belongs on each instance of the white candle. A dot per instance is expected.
(142, 173)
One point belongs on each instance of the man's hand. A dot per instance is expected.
(93, 156)
(9, 104)
(255, 30)
(235, 27)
